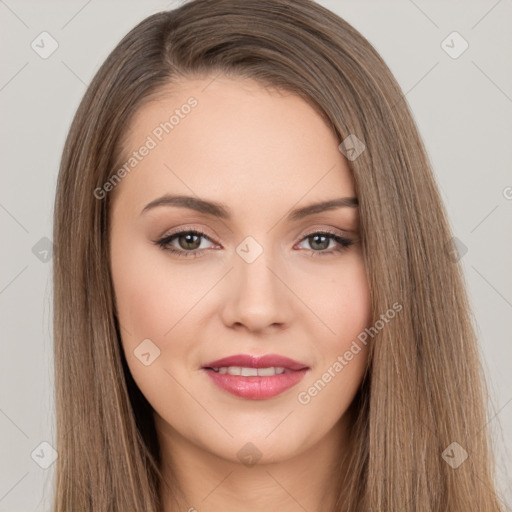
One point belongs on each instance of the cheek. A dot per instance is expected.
(150, 305)
(144, 304)
(156, 301)
(351, 319)
(151, 295)
(344, 306)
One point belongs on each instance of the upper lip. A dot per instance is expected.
(250, 361)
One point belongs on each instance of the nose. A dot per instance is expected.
(257, 296)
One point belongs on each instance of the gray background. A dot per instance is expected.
(463, 108)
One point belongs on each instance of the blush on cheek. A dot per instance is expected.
(150, 312)
(158, 301)
(346, 307)
(146, 303)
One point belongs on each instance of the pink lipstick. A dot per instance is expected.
(255, 377)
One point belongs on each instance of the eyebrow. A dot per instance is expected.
(221, 211)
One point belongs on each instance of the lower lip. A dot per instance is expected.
(256, 388)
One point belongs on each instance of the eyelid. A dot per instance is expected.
(187, 228)
(328, 229)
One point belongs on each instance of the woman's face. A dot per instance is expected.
(263, 280)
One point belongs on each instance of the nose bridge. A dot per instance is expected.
(258, 297)
(253, 269)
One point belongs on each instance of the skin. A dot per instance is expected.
(261, 152)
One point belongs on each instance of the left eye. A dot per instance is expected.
(190, 242)
(323, 239)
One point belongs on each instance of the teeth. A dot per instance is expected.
(248, 372)
(268, 372)
(251, 372)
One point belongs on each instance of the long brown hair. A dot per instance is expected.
(424, 388)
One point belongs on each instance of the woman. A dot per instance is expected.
(205, 357)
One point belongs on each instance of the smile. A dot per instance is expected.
(251, 372)
(255, 377)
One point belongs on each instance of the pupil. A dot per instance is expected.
(188, 242)
(322, 245)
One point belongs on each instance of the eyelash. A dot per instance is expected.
(164, 243)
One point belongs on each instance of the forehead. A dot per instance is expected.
(232, 139)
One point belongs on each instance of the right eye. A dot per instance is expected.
(188, 239)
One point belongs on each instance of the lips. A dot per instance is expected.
(255, 377)
(248, 361)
